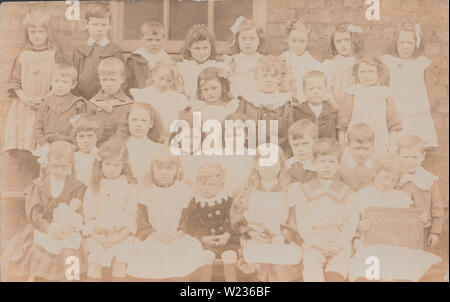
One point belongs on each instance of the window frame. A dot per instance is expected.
(174, 46)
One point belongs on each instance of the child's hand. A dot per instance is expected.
(433, 239)
(259, 237)
(223, 239)
(208, 240)
(364, 225)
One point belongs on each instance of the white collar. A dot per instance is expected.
(307, 164)
(422, 178)
(275, 100)
(316, 109)
(56, 186)
(151, 58)
(203, 201)
(102, 42)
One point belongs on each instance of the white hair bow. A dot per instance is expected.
(418, 34)
(354, 29)
(234, 28)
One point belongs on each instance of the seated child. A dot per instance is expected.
(355, 169)
(302, 134)
(141, 61)
(317, 108)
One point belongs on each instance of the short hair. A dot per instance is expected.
(271, 63)
(61, 150)
(111, 65)
(87, 122)
(197, 33)
(212, 165)
(362, 133)
(97, 10)
(387, 162)
(152, 26)
(300, 128)
(248, 24)
(407, 25)
(171, 65)
(314, 74)
(297, 23)
(357, 43)
(326, 146)
(383, 75)
(66, 70)
(213, 73)
(409, 142)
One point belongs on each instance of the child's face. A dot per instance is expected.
(211, 91)
(59, 168)
(343, 43)
(209, 182)
(62, 85)
(360, 151)
(98, 28)
(153, 43)
(139, 122)
(326, 165)
(248, 41)
(112, 167)
(268, 80)
(406, 44)
(385, 181)
(411, 159)
(38, 36)
(201, 51)
(297, 41)
(86, 140)
(269, 172)
(302, 148)
(367, 74)
(165, 173)
(111, 82)
(163, 79)
(314, 90)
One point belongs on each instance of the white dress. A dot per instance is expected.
(84, 164)
(169, 104)
(157, 260)
(409, 93)
(243, 77)
(298, 66)
(269, 209)
(140, 153)
(214, 112)
(339, 72)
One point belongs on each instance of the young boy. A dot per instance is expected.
(87, 56)
(143, 60)
(110, 105)
(301, 136)
(54, 114)
(421, 185)
(327, 216)
(355, 169)
(316, 108)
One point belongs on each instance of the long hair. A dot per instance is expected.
(113, 148)
(197, 33)
(39, 18)
(213, 73)
(407, 26)
(171, 65)
(383, 74)
(163, 156)
(357, 43)
(248, 24)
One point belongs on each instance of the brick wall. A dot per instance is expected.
(322, 14)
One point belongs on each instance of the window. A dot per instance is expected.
(179, 15)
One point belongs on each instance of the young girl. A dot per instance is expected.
(346, 47)
(29, 82)
(199, 52)
(164, 252)
(248, 46)
(24, 257)
(85, 134)
(410, 82)
(110, 209)
(260, 213)
(298, 59)
(165, 93)
(368, 102)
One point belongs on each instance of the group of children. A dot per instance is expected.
(353, 131)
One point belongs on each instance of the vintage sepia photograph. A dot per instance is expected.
(224, 141)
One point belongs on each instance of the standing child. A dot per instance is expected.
(199, 52)
(297, 58)
(301, 135)
(87, 56)
(141, 61)
(164, 251)
(110, 209)
(29, 257)
(85, 134)
(110, 105)
(247, 48)
(355, 169)
(260, 213)
(368, 102)
(410, 82)
(317, 108)
(165, 93)
(345, 46)
(327, 216)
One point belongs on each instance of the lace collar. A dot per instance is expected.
(422, 179)
(218, 199)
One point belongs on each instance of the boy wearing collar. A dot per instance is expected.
(421, 186)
